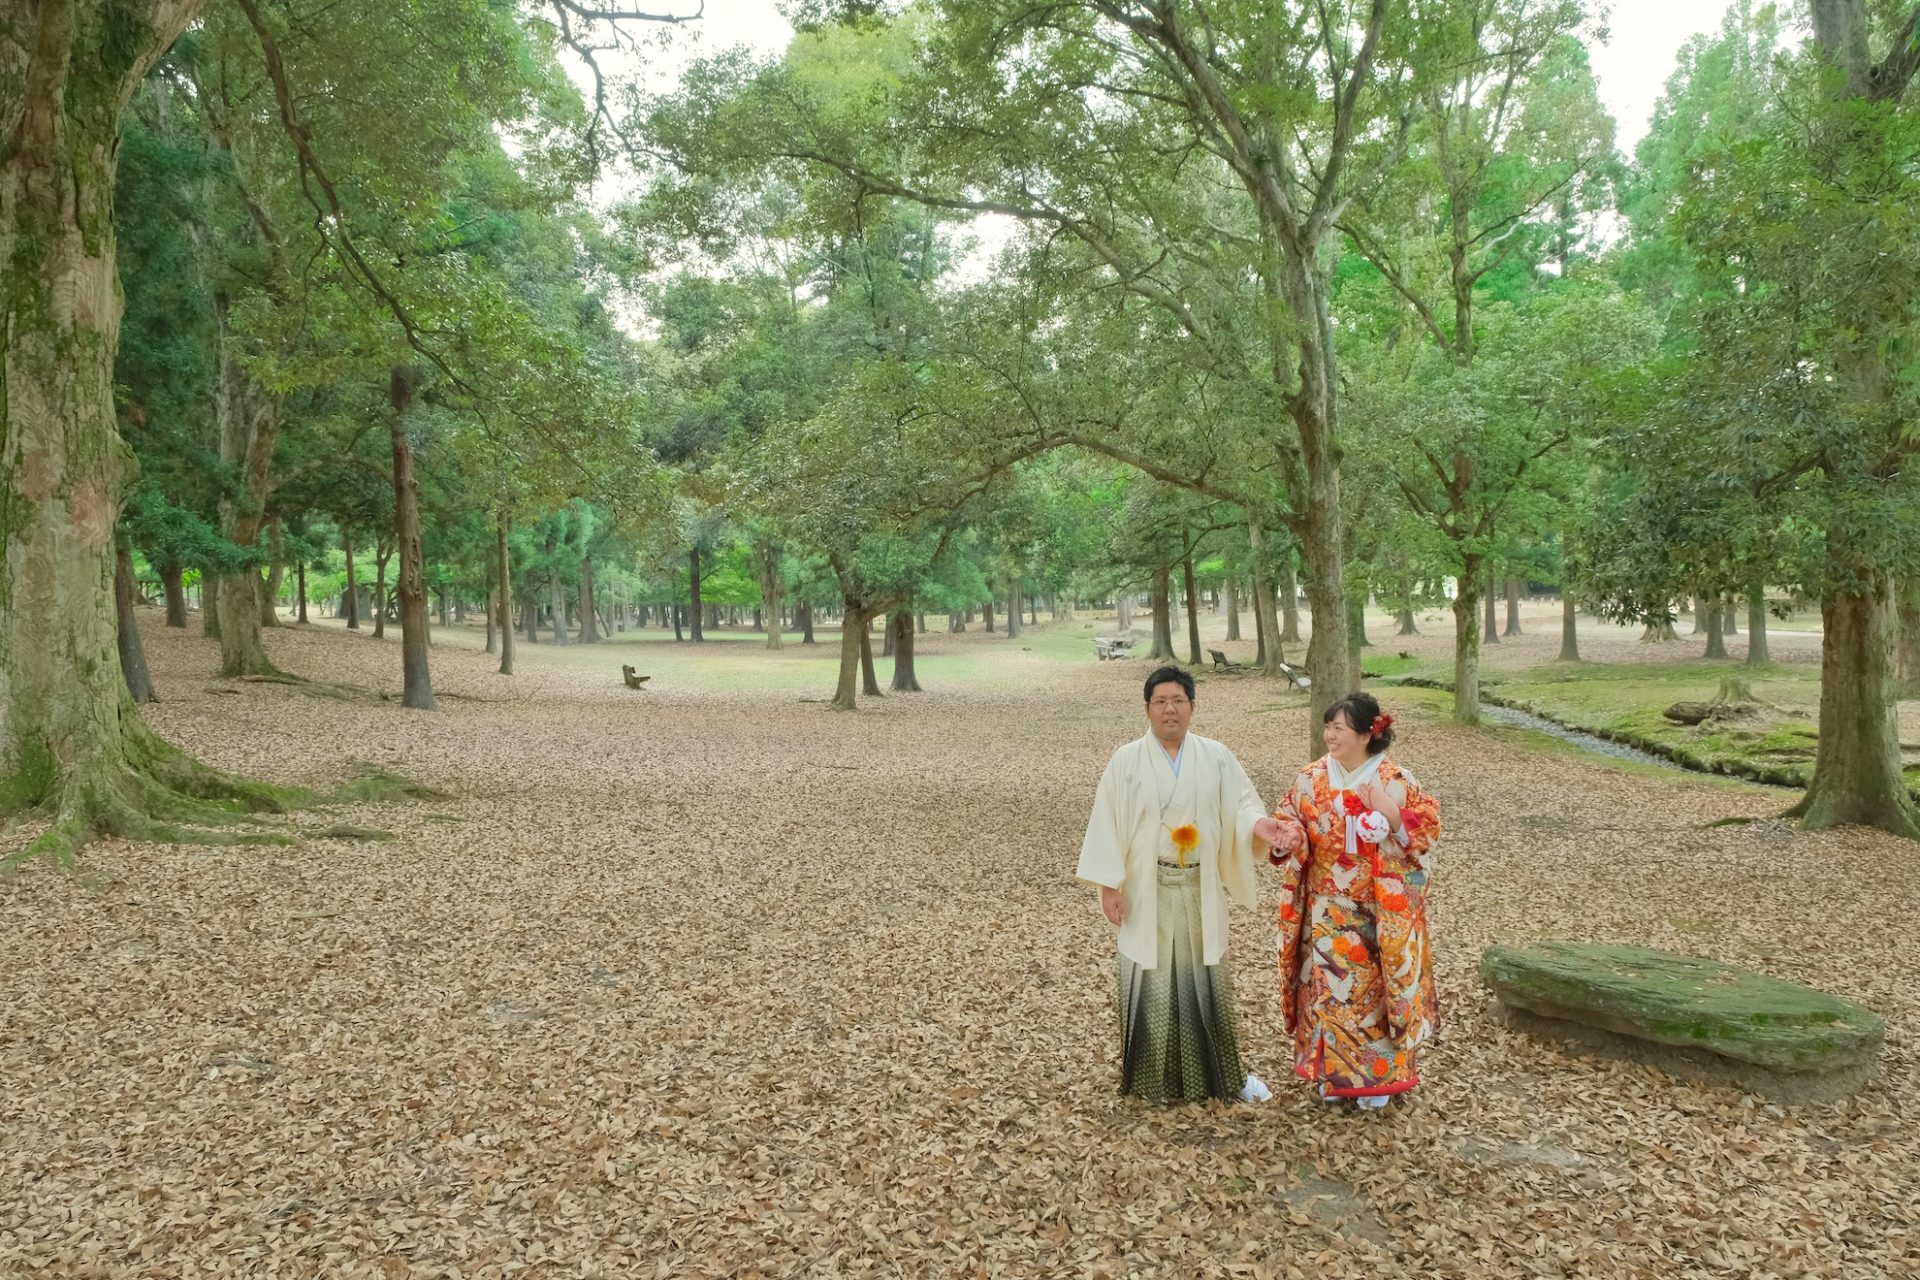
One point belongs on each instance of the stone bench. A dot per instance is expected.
(1688, 1015)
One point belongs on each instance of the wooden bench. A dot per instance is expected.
(1296, 676)
(1106, 647)
(633, 681)
(1220, 659)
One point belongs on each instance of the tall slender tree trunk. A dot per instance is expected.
(300, 580)
(1569, 628)
(173, 582)
(1259, 633)
(1729, 619)
(1466, 643)
(1162, 650)
(869, 682)
(1123, 612)
(493, 616)
(589, 610)
(1289, 604)
(679, 636)
(72, 743)
(210, 606)
(353, 587)
(694, 606)
(987, 612)
(853, 630)
(1489, 628)
(1266, 621)
(133, 658)
(1193, 611)
(1757, 626)
(1233, 608)
(381, 554)
(276, 574)
(773, 590)
(806, 623)
(416, 679)
(904, 678)
(1513, 607)
(1013, 608)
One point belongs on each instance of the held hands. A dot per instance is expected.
(1282, 837)
(1111, 906)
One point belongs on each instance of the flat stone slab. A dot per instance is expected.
(1689, 1013)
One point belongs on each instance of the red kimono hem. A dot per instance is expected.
(1372, 1091)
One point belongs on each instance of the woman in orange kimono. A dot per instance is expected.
(1356, 976)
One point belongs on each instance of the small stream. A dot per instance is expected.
(1585, 741)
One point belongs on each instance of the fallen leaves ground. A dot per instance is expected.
(708, 981)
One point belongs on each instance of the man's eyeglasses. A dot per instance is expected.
(1169, 704)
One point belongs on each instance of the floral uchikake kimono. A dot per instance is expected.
(1356, 977)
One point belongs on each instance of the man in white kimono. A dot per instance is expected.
(1175, 827)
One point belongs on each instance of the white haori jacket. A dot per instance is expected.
(1135, 810)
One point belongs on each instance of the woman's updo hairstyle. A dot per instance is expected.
(1363, 713)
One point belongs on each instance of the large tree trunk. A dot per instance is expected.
(1716, 638)
(1193, 611)
(1513, 607)
(1729, 621)
(1013, 608)
(133, 658)
(72, 743)
(1569, 628)
(1162, 650)
(1466, 644)
(806, 623)
(1489, 631)
(589, 611)
(904, 679)
(1856, 772)
(416, 679)
(173, 582)
(1757, 626)
(987, 612)
(1233, 608)
(353, 587)
(694, 608)
(1123, 611)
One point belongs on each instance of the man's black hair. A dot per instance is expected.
(1169, 675)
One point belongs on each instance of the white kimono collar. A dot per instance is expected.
(1340, 780)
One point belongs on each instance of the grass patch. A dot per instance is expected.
(374, 785)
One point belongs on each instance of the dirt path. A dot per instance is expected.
(707, 981)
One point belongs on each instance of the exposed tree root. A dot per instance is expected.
(314, 688)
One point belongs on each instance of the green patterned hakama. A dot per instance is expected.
(1177, 1033)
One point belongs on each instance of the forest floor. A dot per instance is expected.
(706, 980)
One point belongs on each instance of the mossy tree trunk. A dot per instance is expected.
(1466, 643)
(72, 744)
(133, 658)
(173, 583)
(1907, 659)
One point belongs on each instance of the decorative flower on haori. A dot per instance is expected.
(1186, 838)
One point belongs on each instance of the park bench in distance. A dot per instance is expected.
(1105, 647)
